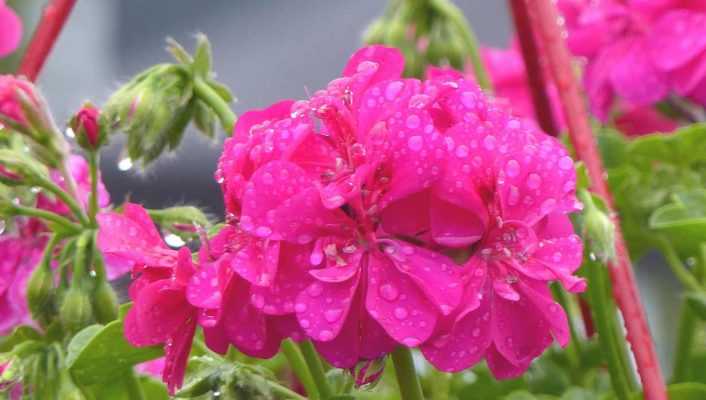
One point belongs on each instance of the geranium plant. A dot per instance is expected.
(443, 220)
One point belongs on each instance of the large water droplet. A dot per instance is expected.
(2, 226)
(125, 164)
(333, 315)
(389, 292)
(533, 181)
(173, 240)
(325, 335)
(512, 168)
(315, 290)
(413, 121)
(566, 163)
(400, 313)
(393, 89)
(415, 143)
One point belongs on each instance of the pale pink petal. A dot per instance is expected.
(634, 76)
(396, 302)
(677, 38)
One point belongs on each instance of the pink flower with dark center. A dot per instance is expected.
(10, 29)
(518, 185)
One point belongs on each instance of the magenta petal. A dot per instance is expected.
(343, 351)
(133, 334)
(395, 217)
(216, 339)
(554, 314)
(677, 38)
(322, 307)
(389, 60)
(461, 344)
(161, 309)
(635, 78)
(257, 262)
(435, 274)
(520, 331)
(177, 355)
(455, 226)
(203, 290)
(563, 257)
(501, 367)
(396, 302)
(10, 30)
(279, 297)
(246, 121)
(282, 203)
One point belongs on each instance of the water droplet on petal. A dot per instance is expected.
(415, 143)
(389, 292)
(512, 168)
(315, 290)
(325, 335)
(393, 89)
(333, 315)
(533, 181)
(400, 313)
(413, 121)
(411, 342)
(566, 163)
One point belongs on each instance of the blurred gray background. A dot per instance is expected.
(265, 51)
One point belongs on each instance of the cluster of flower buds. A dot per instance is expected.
(427, 32)
(381, 212)
(155, 108)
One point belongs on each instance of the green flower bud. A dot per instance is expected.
(598, 227)
(76, 311)
(19, 168)
(105, 303)
(41, 294)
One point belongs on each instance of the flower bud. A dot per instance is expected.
(87, 127)
(23, 110)
(40, 294)
(20, 168)
(367, 373)
(598, 228)
(76, 311)
(105, 303)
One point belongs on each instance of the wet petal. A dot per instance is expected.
(635, 78)
(258, 262)
(279, 297)
(161, 309)
(677, 38)
(395, 301)
(177, 355)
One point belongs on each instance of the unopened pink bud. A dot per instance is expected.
(11, 110)
(86, 126)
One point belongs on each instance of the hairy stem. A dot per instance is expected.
(217, 104)
(300, 368)
(407, 379)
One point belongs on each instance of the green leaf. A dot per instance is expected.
(682, 391)
(187, 215)
(153, 389)
(684, 221)
(202, 57)
(20, 334)
(697, 302)
(99, 355)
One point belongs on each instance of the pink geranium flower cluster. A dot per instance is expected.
(380, 212)
(639, 51)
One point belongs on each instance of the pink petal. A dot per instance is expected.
(216, 339)
(279, 298)
(395, 217)
(389, 60)
(395, 301)
(10, 30)
(554, 314)
(435, 274)
(636, 121)
(322, 307)
(501, 367)
(281, 202)
(455, 226)
(562, 256)
(687, 79)
(257, 262)
(177, 355)
(460, 344)
(252, 118)
(204, 290)
(635, 78)
(520, 331)
(161, 308)
(677, 38)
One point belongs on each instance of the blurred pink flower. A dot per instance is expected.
(19, 255)
(10, 103)
(10, 29)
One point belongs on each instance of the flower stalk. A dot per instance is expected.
(54, 17)
(545, 17)
(300, 368)
(316, 368)
(407, 378)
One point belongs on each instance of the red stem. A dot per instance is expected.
(533, 66)
(545, 20)
(54, 17)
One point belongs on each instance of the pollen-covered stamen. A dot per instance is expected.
(507, 244)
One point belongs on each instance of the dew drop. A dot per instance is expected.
(411, 341)
(315, 290)
(300, 307)
(512, 168)
(400, 313)
(171, 239)
(534, 181)
(125, 164)
(461, 151)
(415, 143)
(389, 292)
(333, 315)
(489, 142)
(393, 89)
(566, 163)
(413, 121)
(325, 335)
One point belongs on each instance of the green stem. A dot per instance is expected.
(407, 379)
(72, 190)
(47, 216)
(217, 104)
(610, 336)
(573, 350)
(134, 389)
(93, 162)
(440, 385)
(81, 259)
(470, 40)
(678, 268)
(285, 392)
(65, 198)
(688, 324)
(316, 368)
(300, 368)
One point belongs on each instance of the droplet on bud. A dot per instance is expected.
(125, 164)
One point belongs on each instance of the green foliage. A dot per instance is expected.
(99, 353)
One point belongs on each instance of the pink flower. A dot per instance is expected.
(79, 169)
(161, 313)
(152, 368)
(19, 255)
(10, 29)
(86, 126)
(641, 51)
(519, 186)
